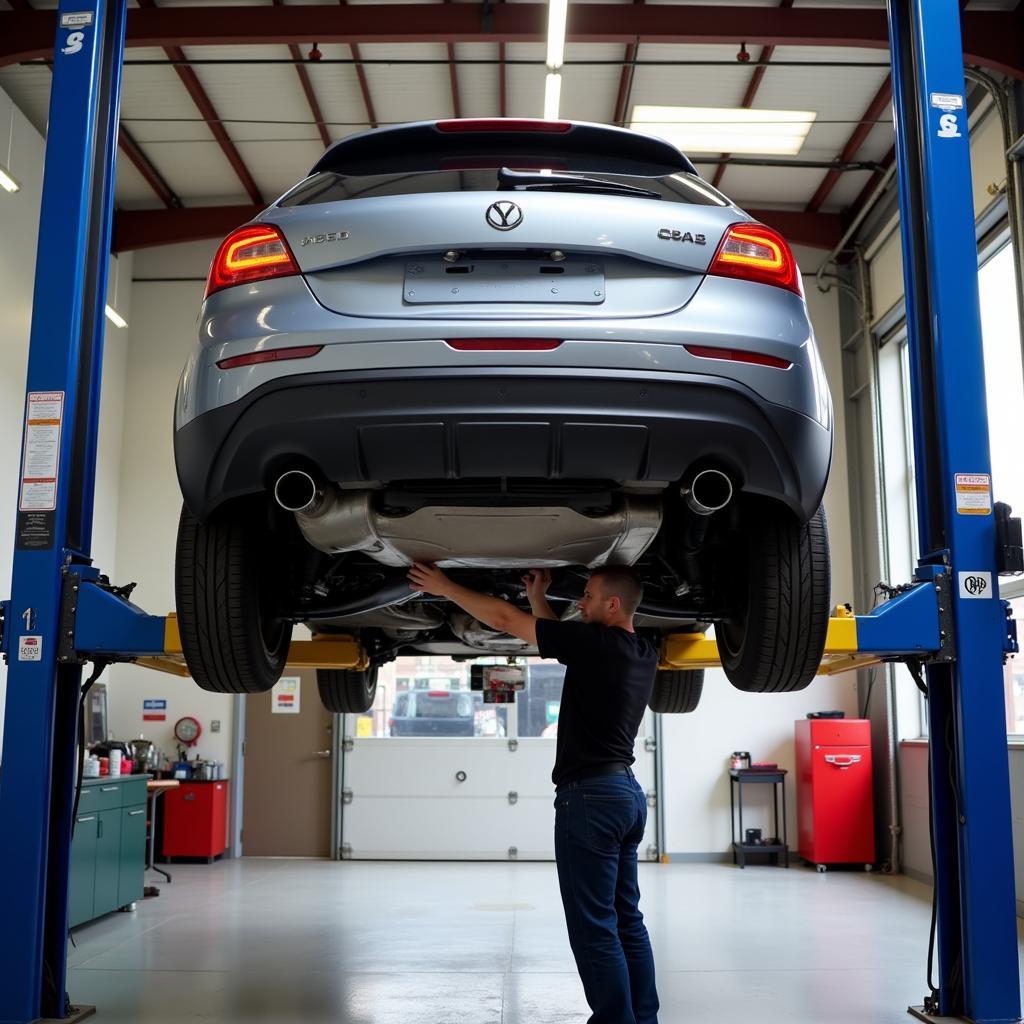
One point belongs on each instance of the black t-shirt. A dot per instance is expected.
(609, 676)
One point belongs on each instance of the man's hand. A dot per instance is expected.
(428, 579)
(496, 613)
(537, 582)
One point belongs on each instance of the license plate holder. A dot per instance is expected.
(433, 282)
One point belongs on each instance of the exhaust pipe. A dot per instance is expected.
(709, 491)
(297, 491)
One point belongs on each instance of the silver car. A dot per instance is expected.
(495, 345)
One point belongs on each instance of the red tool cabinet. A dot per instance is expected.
(196, 820)
(835, 802)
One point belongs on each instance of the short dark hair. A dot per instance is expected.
(623, 582)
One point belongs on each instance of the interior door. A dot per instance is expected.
(286, 806)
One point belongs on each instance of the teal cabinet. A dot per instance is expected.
(108, 862)
(83, 869)
(108, 851)
(133, 855)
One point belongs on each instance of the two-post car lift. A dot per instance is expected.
(950, 619)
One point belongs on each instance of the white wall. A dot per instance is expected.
(163, 333)
(19, 229)
(696, 747)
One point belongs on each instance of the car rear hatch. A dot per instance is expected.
(496, 222)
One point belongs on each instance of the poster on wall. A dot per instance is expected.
(284, 697)
(154, 710)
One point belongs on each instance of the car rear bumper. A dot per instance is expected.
(448, 424)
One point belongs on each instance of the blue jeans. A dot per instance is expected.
(599, 822)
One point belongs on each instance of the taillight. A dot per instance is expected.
(269, 355)
(755, 252)
(502, 124)
(252, 253)
(737, 355)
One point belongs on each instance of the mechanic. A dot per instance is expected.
(600, 808)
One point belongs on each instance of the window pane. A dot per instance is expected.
(1004, 379)
(541, 699)
(429, 696)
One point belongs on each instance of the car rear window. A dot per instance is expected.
(448, 705)
(332, 187)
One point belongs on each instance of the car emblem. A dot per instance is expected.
(503, 215)
(327, 236)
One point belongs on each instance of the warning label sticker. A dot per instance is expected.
(37, 500)
(973, 494)
(43, 421)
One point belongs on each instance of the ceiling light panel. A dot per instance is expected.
(726, 130)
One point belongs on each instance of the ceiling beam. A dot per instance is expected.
(364, 84)
(144, 166)
(453, 74)
(853, 210)
(205, 106)
(307, 88)
(143, 229)
(991, 38)
(130, 148)
(876, 107)
(626, 79)
(502, 83)
(767, 52)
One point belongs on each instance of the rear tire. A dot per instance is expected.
(347, 691)
(231, 641)
(776, 641)
(676, 692)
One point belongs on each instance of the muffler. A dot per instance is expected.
(336, 521)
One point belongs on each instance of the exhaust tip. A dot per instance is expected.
(296, 491)
(710, 491)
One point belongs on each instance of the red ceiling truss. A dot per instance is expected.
(308, 90)
(990, 41)
(991, 38)
(205, 106)
(766, 54)
(143, 229)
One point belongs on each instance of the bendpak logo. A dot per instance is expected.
(975, 585)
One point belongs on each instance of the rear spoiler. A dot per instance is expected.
(495, 142)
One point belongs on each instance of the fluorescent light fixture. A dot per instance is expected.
(552, 97)
(7, 182)
(727, 130)
(115, 318)
(557, 12)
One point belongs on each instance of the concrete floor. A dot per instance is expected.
(370, 943)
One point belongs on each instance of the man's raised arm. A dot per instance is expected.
(493, 611)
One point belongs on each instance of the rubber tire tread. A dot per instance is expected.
(344, 691)
(677, 692)
(216, 592)
(790, 587)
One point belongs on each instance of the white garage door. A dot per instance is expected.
(434, 774)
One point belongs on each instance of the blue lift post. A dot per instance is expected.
(55, 520)
(968, 762)
(971, 823)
